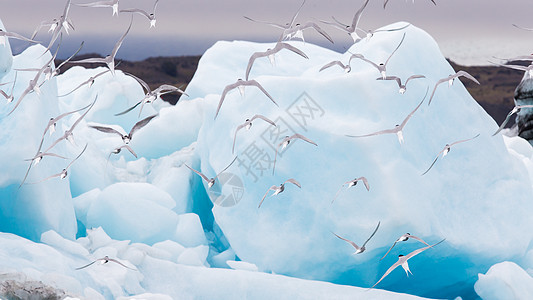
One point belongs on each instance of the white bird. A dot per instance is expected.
(149, 16)
(104, 261)
(398, 129)
(279, 189)
(150, 96)
(353, 183)
(33, 86)
(64, 172)
(404, 238)
(387, 1)
(247, 125)
(68, 135)
(515, 110)
(402, 261)
(4, 35)
(110, 3)
(445, 151)
(350, 29)
(50, 127)
(241, 84)
(270, 53)
(58, 24)
(357, 248)
(277, 25)
(297, 31)
(450, 80)
(211, 181)
(89, 81)
(110, 59)
(382, 67)
(126, 138)
(403, 87)
(285, 142)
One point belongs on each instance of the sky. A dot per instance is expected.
(469, 32)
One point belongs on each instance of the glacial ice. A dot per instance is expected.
(154, 215)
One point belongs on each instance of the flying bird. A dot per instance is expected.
(403, 87)
(247, 125)
(357, 248)
(382, 67)
(404, 238)
(450, 80)
(297, 31)
(445, 151)
(352, 183)
(515, 110)
(277, 25)
(89, 82)
(279, 189)
(347, 68)
(350, 29)
(63, 173)
(150, 96)
(370, 33)
(57, 25)
(211, 181)
(104, 261)
(270, 53)
(241, 84)
(149, 16)
(10, 97)
(68, 135)
(402, 261)
(126, 138)
(285, 142)
(111, 3)
(398, 129)
(110, 59)
(387, 1)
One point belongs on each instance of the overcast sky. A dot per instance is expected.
(468, 31)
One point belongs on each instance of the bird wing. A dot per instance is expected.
(235, 136)
(386, 131)
(252, 59)
(435, 88)
(467, 75)
(358, 14)
(26, 91)
(201, 175)
(96, 4)
(119, 43)
(394, 266)
(86, 265)
(231, 163)
(263, 199)
(106, 129)
(299, 136)
(293, 20)
(47, 178)
(129, 109)
(420, 250)
(388, 251)
(61, 116)
(520, 27)
(414, 110)
(385, 3)
(118, 262)
(136, 10)
(397, 79)
(360, 56)
(318, 29)
(414, 77)
(393, 29)
(259, 86)
(331, 64)
(82, 151)
(53, 154)
(293, 181)
(365, 182)
(293, 49)
(373, 233)
(462, 141)
(348, 241)
(19, 37)
(397, 47)
(266, 119)
(337, 194)
(223, 96)
(72, 56)
(336, 24)
(86, 82)
(417, 238)
(94, 60)
(141, 124)
(434, 161)
(268, 23)
(129, 149)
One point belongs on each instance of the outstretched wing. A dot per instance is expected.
(86, 265)
(141, 124)
(348, 241)
(266, 119)
(293, 181)
(388, 251)
(397, 47)
(106, 129)
(118, 262)
(373, 233)
(467, 75)
(231, 163)
(263, 199)
(299, 136)
(358, 14)
(201, 175)
(119, 43)
(259, 86)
